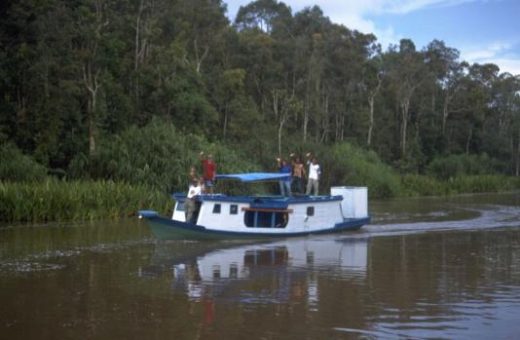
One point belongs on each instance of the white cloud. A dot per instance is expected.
(492, 50)
(498, 53)
(407, 6)
(364, 7)
(508, 65)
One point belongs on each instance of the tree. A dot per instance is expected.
(264, 15)
(372, 81)
(406, 71)
(443, 64)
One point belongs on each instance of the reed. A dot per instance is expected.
(420, 185)
(54, 200)
(485, 183)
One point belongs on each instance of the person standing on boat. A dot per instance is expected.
(285, 184)
(298, 174)
(209, 171)
(190, 205)
(313, 184)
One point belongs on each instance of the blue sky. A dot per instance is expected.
(482, 30)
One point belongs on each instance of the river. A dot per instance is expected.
(424, 268)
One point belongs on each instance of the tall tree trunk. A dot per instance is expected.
(370, 120)
(199, 58)
(92, 84)
(468, 140)
(371, 103)
(325, 120)
(224, 130)
(280, 110)
(517, 168)
(281, 123)
(21, 106)
(445, 113)
(138, 51)
(405, 107)
(305, 120)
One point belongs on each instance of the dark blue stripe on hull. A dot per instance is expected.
(167, 229)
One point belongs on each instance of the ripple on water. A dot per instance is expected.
(29, 267)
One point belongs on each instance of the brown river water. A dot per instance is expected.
(424, 268)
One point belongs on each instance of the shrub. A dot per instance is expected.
(348, 165)
(452, 166)
(15, 166)
(157, 155)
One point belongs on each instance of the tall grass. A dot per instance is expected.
(416, 185)
(452, 166)
(54, 200)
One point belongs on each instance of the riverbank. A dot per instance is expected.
(56, 200)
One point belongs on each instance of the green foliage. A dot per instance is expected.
(348, 165)
(452, 166)
(15, 166)
(157, 155)
(54, 200)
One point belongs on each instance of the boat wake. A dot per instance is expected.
(488, 217)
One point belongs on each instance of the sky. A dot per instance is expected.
(483, 31)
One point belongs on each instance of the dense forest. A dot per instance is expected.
(133, 89)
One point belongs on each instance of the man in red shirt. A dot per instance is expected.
(209, 171)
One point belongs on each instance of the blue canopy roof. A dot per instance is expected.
(256, 176)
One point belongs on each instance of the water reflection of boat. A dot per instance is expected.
(283, 266)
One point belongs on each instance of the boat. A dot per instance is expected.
(222, 216)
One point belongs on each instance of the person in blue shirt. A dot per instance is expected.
(285, 185)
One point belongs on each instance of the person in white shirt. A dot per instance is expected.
(313, 184)
(190, 205)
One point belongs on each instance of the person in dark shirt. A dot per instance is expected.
(285, 184)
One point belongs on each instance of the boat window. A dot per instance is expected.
(216, 272)
(310, 211)
(216, 208)
(266, 219)
(233, 271)
(180, 206)
(233, 209)
(281, 220)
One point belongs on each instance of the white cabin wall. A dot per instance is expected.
(224, 220)
(178, 215)
(355, 201)
(326, 214)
